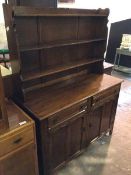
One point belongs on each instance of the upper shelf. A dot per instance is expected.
(34, 11)
(61, 44)
(38, 74)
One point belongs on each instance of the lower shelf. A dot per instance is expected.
(38, 73)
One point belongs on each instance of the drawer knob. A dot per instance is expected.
(17, 141)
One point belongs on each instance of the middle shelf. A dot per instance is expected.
(60, 44)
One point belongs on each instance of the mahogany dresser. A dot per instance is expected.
(18, 153)
(58, 77)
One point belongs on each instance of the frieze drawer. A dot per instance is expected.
(105, 95)
(68, 113)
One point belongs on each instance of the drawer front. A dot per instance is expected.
(68, 113)
(15, 140)
(105, 95)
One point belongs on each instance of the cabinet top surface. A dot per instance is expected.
(44, 103)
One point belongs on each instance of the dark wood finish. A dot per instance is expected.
(36, 3)
(3, 110)
(56, 99)
(94, 123)
(28, 11)
(86, 107)
(60, 77)
(18, 144)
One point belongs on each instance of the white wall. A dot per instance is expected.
(3, 41)
(1, 11)
(119, 10)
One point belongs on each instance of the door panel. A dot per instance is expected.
(113, 113)
(75, 135)
(105, 120)
(65, 141)
(58, 146)
(94, 123)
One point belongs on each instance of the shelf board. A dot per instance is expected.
(61, 44)
(19, 11)
(39, 74)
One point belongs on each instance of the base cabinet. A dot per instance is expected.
(70, 136)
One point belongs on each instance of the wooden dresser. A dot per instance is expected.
(59, 78)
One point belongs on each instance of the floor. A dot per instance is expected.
(109, 155)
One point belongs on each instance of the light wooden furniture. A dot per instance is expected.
(3, 110)
(59, 78)
(18, 144)
(7, 81)
(17, 138)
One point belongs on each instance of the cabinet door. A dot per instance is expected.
(93, 123)
(108, 116)
(22, 162)
(113, 113)
(65, 140)
(105, 118)
(58, 146)
(75, 135)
